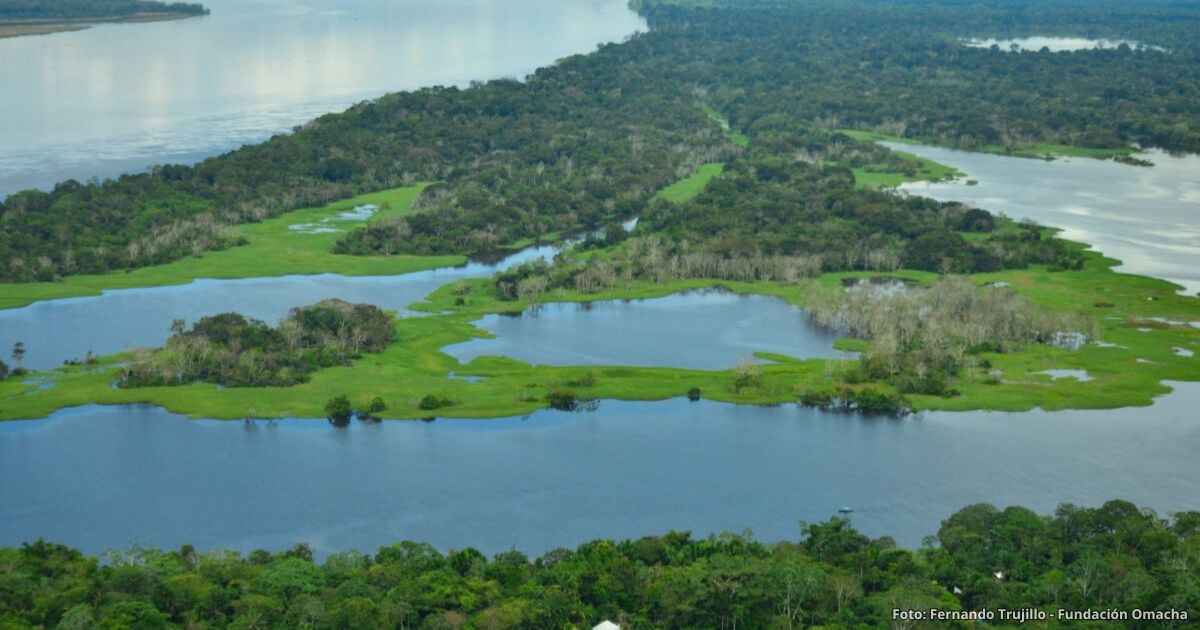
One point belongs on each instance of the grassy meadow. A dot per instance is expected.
(273, 249)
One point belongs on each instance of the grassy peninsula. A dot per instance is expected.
(41, 17)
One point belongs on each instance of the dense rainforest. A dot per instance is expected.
(83, 9)
(587, 140)
(1115, 557)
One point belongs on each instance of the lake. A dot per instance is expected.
(97, 103)
(702, 330)
(1148, 217)
(56, 330)
(106, 477)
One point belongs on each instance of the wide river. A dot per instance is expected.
(120, 97)
(104, 477)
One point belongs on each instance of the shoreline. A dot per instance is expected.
(21, 28)
(1128, 368)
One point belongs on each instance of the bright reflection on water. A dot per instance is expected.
(1148, 217)
(1054, 44)
(102, 477)
(702, 330)
(119, 97)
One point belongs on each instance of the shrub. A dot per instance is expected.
(563, 400)
(433, 401)
(816, 399)
(694, 394)
(746, 374)
(338, 410)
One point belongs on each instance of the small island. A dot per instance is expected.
(41, 17)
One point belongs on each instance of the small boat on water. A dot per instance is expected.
(845, 510)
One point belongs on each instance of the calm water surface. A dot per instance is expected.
(104, 477)
(56, 330)
(97, 103)
(702, 330)
(1148, 217)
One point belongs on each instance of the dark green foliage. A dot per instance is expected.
(1114, 556)
(693, 394)
(586, 142)
(79, 9)
(867, 400)
(338, 409)
(3, 370)
(434, 401)
(232, 350)
(563, 400)
(377, 405)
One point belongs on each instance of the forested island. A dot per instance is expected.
(38, 17)
(1093, 563)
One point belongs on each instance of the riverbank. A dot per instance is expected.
(1041, 151)
(1148, 335)
(296, 243)
(18, 28)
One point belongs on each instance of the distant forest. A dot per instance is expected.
(80, 9)
(1114, 558)
(588, 140)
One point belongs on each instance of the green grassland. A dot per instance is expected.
(879, 176)
(273, 249)
(884, 176)
(1124, 307)
(691, 185)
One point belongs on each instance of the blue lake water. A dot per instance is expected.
(702, 330)
(105, 477)
(56, 330)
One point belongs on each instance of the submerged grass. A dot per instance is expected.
(274, 249)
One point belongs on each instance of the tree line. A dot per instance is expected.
(589, 139)
(1115, 556)
(79, 9)
(236, 351)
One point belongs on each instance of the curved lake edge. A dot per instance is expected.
(1128, 374)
